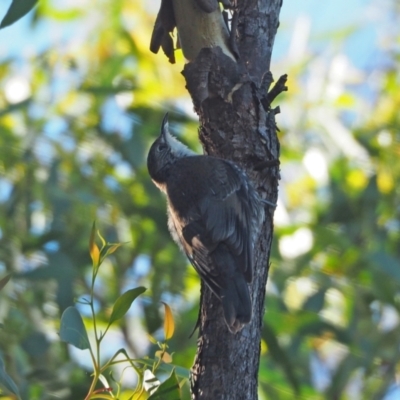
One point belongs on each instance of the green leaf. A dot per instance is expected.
(280, 356)
(73, 330)
(106, 90)
(152, 340)
(17, 10)
(315, 302)
(163, 367)
(343, 374)
(93, 249)
(47, 272)
(124, 302)
(111, 248)
(36, 344)
(4, 280)
(318, 327)
(168, 390)
(6, 382)
(15, 107)
(103, 242)
(387, 264)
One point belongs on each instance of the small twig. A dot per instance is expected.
(276, 110)
(279, 87)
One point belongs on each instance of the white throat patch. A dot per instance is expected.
(177, 148)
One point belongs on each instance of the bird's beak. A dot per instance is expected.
(164, 126)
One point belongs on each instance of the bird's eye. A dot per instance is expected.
(161, 147)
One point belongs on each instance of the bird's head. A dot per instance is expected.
(164, 152)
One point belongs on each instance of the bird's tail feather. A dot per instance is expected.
(236, 303)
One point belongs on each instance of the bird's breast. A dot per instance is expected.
(175, 226)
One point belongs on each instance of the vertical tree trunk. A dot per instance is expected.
(238, 124)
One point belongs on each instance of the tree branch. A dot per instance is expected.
(279, 87)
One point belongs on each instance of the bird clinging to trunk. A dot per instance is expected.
(214, 215)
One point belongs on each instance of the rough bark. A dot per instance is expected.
(237, 123)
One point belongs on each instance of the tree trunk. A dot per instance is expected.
(237, 123)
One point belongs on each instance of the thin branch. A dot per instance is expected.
(279, 87)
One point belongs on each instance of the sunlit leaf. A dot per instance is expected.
(163, 355)
(103, 241)
(346, 100)
(6, 382)
(17, 10)
(151, 338)
(124, 302)
(4, 280)
(56, 13)
(169, 325)
(357, 179)
(385, 181)
(142, 395)
(72, 329)
(168, 390)
(93, 249)
(113, 247)
(150, 381)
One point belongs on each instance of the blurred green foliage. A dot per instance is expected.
(77, 116)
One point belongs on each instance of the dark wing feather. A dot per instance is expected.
(199, 254)
(229, 213)
(214, 212)
(224, 214)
